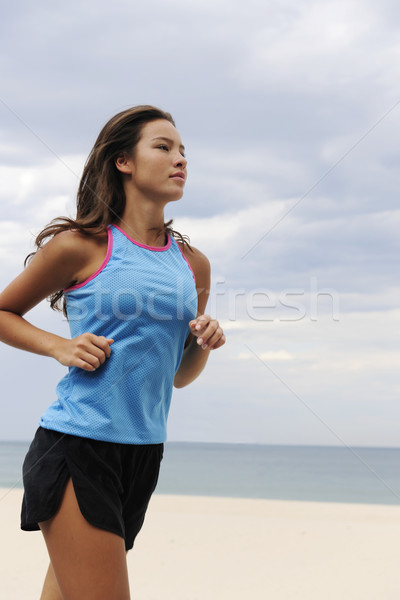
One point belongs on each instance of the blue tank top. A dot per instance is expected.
(142, 297)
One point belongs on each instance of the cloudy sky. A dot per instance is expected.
(290, 114)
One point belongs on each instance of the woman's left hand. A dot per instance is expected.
(208, 332)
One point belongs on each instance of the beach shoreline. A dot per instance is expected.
(209, 548)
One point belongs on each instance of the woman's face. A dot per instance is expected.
(158, 165)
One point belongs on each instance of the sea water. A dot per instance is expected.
(313, 473)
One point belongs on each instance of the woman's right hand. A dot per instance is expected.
(87, 351)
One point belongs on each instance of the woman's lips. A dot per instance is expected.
(179, 176)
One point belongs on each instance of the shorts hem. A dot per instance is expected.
(34, 525)
(91, 522)
(112, 483)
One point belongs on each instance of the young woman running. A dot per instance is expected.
(135, 293)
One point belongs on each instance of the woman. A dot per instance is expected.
(135, 294)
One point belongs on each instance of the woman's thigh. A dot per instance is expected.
(88, 562)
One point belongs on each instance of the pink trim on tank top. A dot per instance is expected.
(99, 270)
(154, 248)
(189, 265)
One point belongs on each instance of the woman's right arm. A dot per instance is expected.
(52, 268)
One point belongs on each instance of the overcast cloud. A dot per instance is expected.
(290, 114)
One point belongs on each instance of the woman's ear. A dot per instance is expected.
(124, 163)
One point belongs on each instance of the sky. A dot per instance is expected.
(290, 115)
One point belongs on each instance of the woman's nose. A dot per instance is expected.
(180, 161)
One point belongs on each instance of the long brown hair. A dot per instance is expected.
(100, 196)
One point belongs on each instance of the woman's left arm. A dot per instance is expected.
(205, 332)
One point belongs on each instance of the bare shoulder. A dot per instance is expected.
(197, 260)
(83, 253)
(202, 271)
(73, 243)
(70, 257)
(67, 258)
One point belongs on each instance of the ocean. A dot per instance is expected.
(312, 473)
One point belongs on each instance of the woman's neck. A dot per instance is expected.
(145, 224)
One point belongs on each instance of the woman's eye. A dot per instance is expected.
(163, 147)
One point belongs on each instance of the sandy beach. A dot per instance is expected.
(201, 548)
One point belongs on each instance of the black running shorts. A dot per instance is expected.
(113, 482)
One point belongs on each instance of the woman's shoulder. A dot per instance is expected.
(75, 253)
(75, 241)
(74, 247)
(197, 260)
